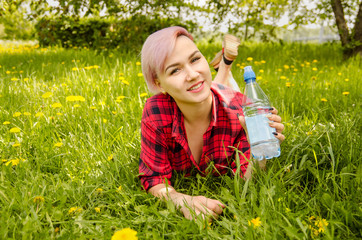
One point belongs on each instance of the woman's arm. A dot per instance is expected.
(190, 206)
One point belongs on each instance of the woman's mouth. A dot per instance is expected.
(196, 87)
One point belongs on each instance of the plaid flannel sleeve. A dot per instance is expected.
(154, 166)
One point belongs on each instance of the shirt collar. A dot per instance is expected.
(178, 126)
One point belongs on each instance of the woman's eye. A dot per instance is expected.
(195, 59)
(174, 71)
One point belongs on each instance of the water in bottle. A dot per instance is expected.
(263, 144)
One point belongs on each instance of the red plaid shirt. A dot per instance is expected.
(164, 146)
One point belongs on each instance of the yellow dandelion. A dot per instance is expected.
(13, 162)
(93, 107)
(313, 78)
(279, 69)
(321, 224)
(75, 69)
(315, 69)
(105, 120)
(7, 72)
(315, 61)
(47, 95)
(75, 210)
(346, 79)
(15, 130)
(14, 79)
(125, 234)
(286, 66)
(143, 94)
(17, 114)
(119, 188)
(140, 75)
(249, 59)
(76, 106)
(125, 82)
(256, 222)
(6, 123)
(97, 209)
(59, 114)
(288, 210)
(295, 70)
(114, 112)
(302, 65)
(283, 77)
(38, 199)
(259, 78)
(96, 66)
(287, 84)
(27, 114)
(16, 144)
(339, 74)
(345, 93)
(75, 99)
(57, 105)
(261, 70)
(110, 157)
(99, 190)
(138, 63)
(262, 61)
(324, 100)
(58, 144)
(39, 114)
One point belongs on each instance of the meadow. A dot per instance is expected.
(70, 144)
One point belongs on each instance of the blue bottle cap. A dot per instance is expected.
(249, 75)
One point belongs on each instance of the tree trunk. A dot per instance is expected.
(357, 32)
(351, 42)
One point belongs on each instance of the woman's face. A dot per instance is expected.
(187, 77)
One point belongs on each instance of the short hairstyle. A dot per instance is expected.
(157, 47)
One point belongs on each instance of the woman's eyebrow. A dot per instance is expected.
(175, 64)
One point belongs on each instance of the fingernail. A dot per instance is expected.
(275, 133)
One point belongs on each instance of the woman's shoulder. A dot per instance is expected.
(159, 108)
(228, 97)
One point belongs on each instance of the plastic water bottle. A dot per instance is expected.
(263, 144)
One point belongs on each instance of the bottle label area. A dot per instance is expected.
(259, 130)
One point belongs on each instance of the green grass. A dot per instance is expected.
(318, 175)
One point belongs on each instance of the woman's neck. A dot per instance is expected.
(197, 113)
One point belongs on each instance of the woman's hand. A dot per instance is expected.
(190, 206)
(275, 122)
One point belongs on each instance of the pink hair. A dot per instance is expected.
(157, 47)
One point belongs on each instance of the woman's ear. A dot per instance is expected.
(158, 84)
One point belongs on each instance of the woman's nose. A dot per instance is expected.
(191, 73)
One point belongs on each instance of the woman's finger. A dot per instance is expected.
(279, 136)
(273, 110)
(279, 127)
(274, 118)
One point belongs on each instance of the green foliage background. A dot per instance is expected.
(96, 165)
(102, 33)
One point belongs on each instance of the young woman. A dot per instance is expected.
(191, 121)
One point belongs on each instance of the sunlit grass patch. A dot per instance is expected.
(70, 143)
